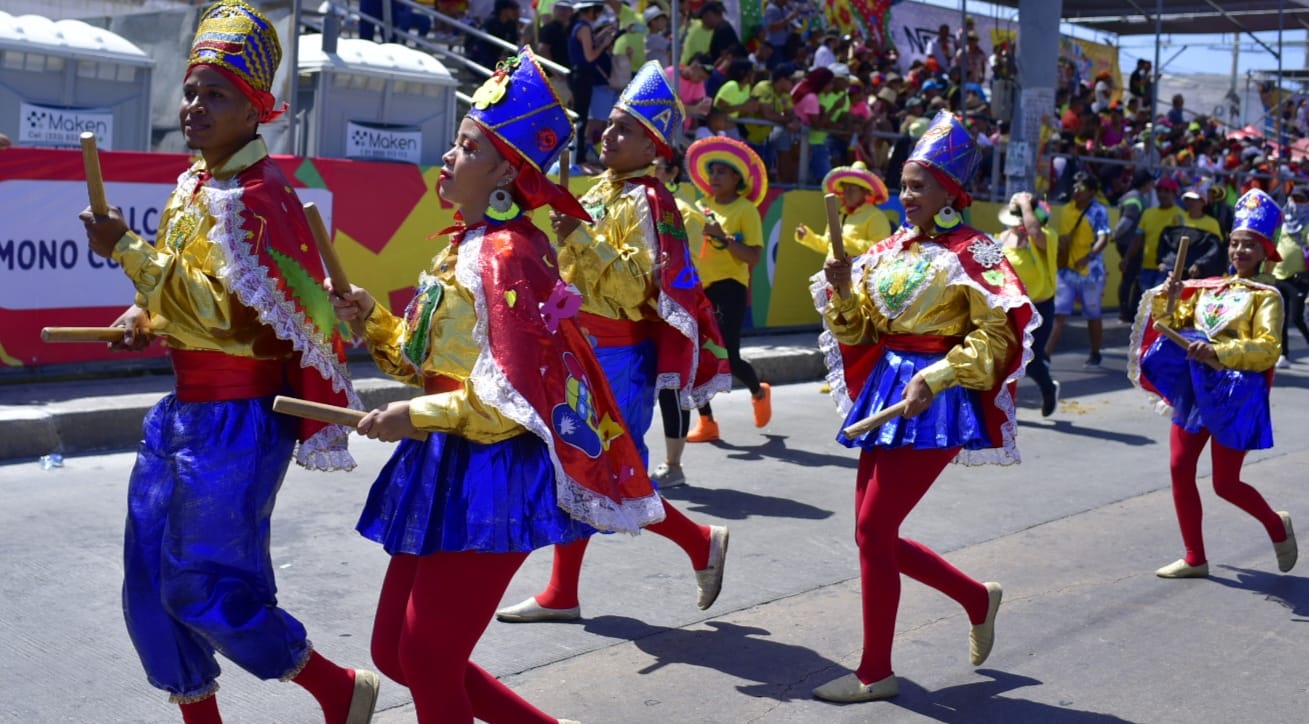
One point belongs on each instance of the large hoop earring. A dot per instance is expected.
(947, 218)
(502, 206)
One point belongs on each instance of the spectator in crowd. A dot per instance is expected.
(971, 59)
(724, 38)
(825, 53)
(734, 96)
(1219, 208)
(1292, 279)
(373, 8)
(698, 36)
(762, 56)
(1141, 82)
(502, 24)
(809, 110)
(1128, 240)
(588, 54)
(690, 85)
(836, 109)
(1083, 234)
(552, 41)
(658, 46)
(1175, 114)
(773, 96)
(718, 122)
(777, 30)
(1153, 222)
(942, 49)
(629, 43)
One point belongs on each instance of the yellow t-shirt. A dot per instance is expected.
(739, 219)
(764, 92)
(698, 39)
(1094, 222)
(1035, 268)
(733, 94)
(1292, 262)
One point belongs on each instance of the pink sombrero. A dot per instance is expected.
(859, 175)
(732, 152)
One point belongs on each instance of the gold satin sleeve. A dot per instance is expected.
(861, 230)
(1255, 342)
(187, 301)
(953, 310)
(610, 264)
(1183, 312)
(452, 354)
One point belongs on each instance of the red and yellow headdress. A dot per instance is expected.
(240, 43)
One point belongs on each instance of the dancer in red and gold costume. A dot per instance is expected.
(233, 285)
(936, 317)
(1218, 386)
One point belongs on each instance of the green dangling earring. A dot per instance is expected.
(947, 219)
(502, 207)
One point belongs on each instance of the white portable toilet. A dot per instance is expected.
(58, 79)
(369, 101)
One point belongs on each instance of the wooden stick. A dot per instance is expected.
(335, 272)
(565, 167)
(95, 181)
(1178, 267)
(834, 233)
(872, 422)
(1181, 341)
(325, 413)
(82, 334)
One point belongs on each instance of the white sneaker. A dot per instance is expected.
(1283, 362)
(668, 476)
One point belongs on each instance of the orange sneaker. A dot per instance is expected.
(763, 406)
(705, 430)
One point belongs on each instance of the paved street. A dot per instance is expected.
(1086, 632)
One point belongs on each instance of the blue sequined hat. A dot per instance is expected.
(948, 146)
(1257, 211)
(519, 106)
(652, 101)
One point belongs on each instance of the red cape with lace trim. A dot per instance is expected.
(691, 356)
(996, 278)
(273, 267)
(547, 362)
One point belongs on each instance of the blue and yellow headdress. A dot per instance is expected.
(239, 42)
(651, 100)
(518, 106)
(1257, 211)
(519, 111)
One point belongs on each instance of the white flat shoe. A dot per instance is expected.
(982, 636)
(1181, 569)
(364, 700)
(849, 689)
(1286, 551)
(709, 581)
(530, 611)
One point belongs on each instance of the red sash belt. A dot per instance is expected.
(433, 384)
(615, 332)
(922, 343)
(218, 377)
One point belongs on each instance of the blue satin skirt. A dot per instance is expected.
(197, 573)
(452, 494)
(1231, 404)
(953, 420)
(631, 373)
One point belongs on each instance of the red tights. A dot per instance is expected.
(566, 573)
(1185, 449)
(431, 613)
(890, 484)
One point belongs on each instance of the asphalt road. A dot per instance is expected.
(1086, 633)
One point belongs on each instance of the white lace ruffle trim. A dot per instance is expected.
(246, 278)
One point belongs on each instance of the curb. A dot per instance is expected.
(113, 423)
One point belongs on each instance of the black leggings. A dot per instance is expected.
(729, 299)
(676, 420)
(1293, 306)
(1039, 368)
(581, 88)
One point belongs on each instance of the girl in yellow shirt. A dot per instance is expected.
(1033, 250)
(734, 181)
